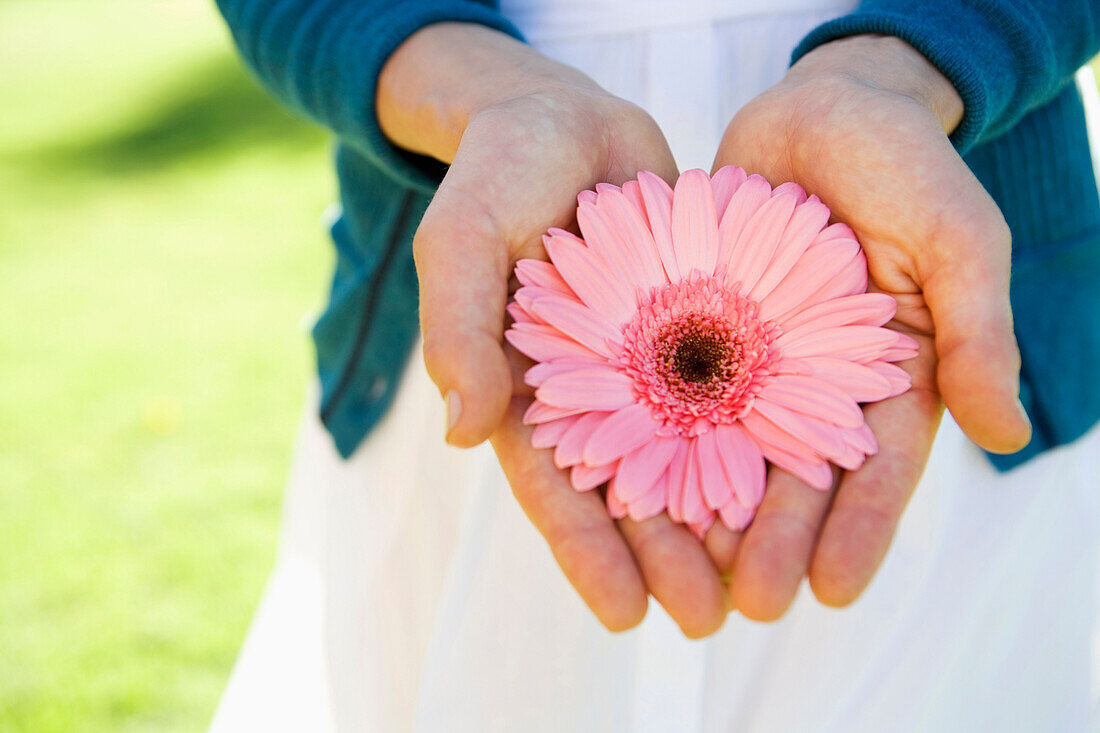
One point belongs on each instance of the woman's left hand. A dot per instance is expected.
(863, 123)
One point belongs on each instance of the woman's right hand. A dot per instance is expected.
(524, 134)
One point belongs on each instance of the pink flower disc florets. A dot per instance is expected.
(698, 354)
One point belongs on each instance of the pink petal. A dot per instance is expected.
(577, 321)
(850, 459)
(813, 471)
(819, 436)
(758, 242)
(839, 230)
(906, 341)
(850, 280)
(652, 503)
(790, 188)
(518, 314)
(746, 200)
(764, 431)
(615, 506)
(586, 197)
(735, 516)
(810, 396)
(542, 371)
(906, 347)
(604, 187)
(797, 367)
(545, 343)
(634, 231)
(633, 193)
(861, 382)
(524, 298)
(725, 183)
(843, 342)
(530, 293)
(538, 413)
(862, 439)
(818, 265)
(570, 448)
(658, 208)
(717, 491)
(629, 428)
(744, 464)
(866, 309)
(607, 242)
(585, 478)
(592, 388)
(694, 223)
(547, 434)
(898, 378)
(693, 506)
(536, 273)
(675, 475)
(899, 354)
(588, 277)
(639, 470)
(700, 528)
(807, 221)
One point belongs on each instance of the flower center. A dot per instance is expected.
(699, 357)
(698, 354)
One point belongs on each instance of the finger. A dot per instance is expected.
(776, 548)
(869, 502)
(583, 537)
(463, 269)
(966, 287)
(721, 544)
(678, 573)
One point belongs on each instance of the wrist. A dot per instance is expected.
(888, 64)
(445, 74)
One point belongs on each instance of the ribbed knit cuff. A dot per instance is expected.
(981, 49)
(386, 31)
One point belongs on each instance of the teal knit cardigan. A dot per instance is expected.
(1023, 134)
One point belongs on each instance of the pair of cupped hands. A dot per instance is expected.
(861, 122)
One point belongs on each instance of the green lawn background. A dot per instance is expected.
(160, 243)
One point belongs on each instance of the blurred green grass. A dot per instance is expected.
(159, 245)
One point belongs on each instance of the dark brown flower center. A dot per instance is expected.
(700, 357)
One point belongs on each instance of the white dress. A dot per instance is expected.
(411, 593)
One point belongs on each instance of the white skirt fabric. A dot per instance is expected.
(411, 593)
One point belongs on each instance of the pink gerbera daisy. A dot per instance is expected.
(693, 334)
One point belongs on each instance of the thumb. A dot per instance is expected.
(463, 269)
(966, 289)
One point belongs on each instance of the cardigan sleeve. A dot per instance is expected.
(1005, 57)
(323, 58)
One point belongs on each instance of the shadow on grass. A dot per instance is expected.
(212, 110)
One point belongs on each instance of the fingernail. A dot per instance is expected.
(454, 409)
(1023, 414)
(1022, 410)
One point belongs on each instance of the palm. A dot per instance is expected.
(517, 173)
(932, 237)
